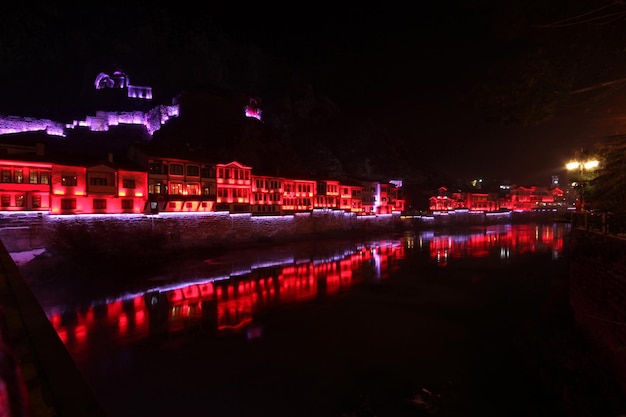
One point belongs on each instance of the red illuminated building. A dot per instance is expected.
(516, 198)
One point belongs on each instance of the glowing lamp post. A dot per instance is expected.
(581, 167)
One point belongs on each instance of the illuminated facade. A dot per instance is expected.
(534, 197)
(298, 195)
(234, 187)
(25, 186)
(350, 198)
(96, 189)
(516, 198)
(266, 194)
(391, 200)
(327, 194)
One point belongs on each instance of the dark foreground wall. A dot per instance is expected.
(598, 294)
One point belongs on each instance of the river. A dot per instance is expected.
(470, 322)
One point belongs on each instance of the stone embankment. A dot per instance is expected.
(28, 231)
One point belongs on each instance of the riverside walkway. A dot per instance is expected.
(38, 377)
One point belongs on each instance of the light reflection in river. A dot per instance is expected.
(237, 287)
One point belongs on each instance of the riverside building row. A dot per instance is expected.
(32, 181)
(41, 171)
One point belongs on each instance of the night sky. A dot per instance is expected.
(478, 88)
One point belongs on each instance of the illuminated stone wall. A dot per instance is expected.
(23, 231)
(100, 122)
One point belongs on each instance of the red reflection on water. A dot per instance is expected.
(507, 240)
(230, 304)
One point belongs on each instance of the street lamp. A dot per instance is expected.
(581, 167)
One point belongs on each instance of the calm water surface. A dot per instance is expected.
(423, 323)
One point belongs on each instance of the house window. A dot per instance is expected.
(20, 199)
(208, 190)
(207, 172)
(193, 189)
(69, 180)
(176, 188)
(68, 203)
(176, 169)
(36, 201)
(5, 200)
(128, 183)
(157, 168)
(99, 204)
(33, 178)
(189, 204)
(127, 204)
(98, 181)
(44, 177)
(6, 175)
(157, 188)
(18, 176)
(193, 170)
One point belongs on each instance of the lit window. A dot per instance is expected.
(157, 188)
(208, 190)
(33, 177)
(18, 176)
(6, 175)
(193, 189)
(176, 188)
(20, 200)
(69, 180)
(44, 177)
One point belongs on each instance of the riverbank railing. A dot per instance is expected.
(602, 222)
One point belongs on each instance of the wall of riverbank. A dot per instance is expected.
(597, 293)
(24, 231)
(28, 231)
